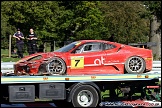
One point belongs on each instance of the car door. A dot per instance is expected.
(87, 59)
(112, 59)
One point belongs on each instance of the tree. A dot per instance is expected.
(42, 16)
(154, 14)
(84, 20)
(6, 28)
(124, 20)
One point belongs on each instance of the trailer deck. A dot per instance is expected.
(77, 78)
(81, 90)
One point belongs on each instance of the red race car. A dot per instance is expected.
(88, 57)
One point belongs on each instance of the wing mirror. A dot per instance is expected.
(77, 51)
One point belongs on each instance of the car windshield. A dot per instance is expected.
(67, 47)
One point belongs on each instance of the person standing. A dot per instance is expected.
(32, 44)
(19, 42)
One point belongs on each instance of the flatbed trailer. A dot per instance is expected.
(82, 90)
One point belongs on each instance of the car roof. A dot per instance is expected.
(93, 41)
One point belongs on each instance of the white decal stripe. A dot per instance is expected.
(112, 63)
(92, 65)
(99, 64)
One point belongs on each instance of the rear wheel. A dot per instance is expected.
(135, 65)
(85, 96)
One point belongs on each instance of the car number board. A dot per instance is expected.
(77, 62)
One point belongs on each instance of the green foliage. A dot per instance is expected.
(125, 20)
(77, 20)
(153, 7)
(82, 20)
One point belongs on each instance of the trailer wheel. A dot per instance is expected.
(135, 65)
(85, 96)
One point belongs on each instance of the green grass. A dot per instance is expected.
(9, 59)
(5, 56)
(13, 58)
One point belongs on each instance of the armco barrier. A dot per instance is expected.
(8, 67)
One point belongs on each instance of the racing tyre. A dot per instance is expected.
(56, 66)
(135, 65)
(85, 96)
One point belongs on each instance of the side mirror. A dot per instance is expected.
(77, 51)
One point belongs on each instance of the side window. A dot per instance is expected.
(108, 46)
(89, 47)
(78, 50)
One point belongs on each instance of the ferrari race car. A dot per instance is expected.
(88, 57)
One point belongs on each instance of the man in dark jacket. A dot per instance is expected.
(19, 42)
(32, 44)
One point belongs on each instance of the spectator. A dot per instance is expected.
(32, 44)
(19, 42)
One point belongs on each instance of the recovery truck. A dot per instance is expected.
(84, 90)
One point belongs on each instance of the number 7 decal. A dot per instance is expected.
(77, 62)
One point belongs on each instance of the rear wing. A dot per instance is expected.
(143, 45)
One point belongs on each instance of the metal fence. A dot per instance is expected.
(8, 67)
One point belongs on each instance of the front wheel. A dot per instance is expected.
(135, 65)
(85, 96)
(56, 66)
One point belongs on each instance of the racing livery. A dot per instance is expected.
(88, 57)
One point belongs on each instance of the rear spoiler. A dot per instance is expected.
(143, 45)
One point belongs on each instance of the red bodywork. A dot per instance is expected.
(107, 61)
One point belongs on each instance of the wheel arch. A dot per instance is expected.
(134, 56)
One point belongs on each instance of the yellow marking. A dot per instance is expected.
(139, 76)
(93, 77)
(78, 43)
(21, 79)
(77, 62)
(146, 76)
(45, 78)
(149, 58)
(67, 79)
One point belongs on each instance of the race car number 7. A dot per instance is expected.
(77, 62)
